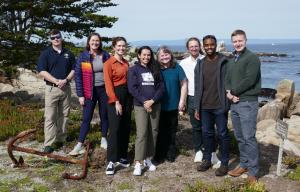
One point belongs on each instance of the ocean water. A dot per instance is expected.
(274, 69)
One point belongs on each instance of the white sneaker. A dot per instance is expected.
(103, 143)
(110, 169)
(137, 169)
(215, 160)
(78, 150)
(149, 164)
(198, 156)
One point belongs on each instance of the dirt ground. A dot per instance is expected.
(44, 174)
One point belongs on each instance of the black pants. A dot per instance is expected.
(166, 137)
(119, 125)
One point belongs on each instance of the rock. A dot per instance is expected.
(11, 96)
(23, 95)
(6, 88)
(266, 134)
(221, 47)
(285, 91)
(272, 110)
(294, 108)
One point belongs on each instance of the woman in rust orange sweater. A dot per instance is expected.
(119, 106)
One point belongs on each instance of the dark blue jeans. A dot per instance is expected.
(243, 115)
(210, 118)
(99, 95)
(196, 124)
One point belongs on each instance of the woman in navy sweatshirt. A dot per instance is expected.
(146, 85)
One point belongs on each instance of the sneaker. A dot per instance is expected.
(137, 169)
(110, 169)
(78, 150)
(204, 166)
(103, 143)
(221, 171)
(198, 156)
(48, 149)
(149, 164)
(215, 160)
(124, 162)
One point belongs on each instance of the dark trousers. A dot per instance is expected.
(99, 95)
(168, 124)
(210, 118)
(196, 125)
(118, 137)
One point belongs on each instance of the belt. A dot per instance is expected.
(51, 84)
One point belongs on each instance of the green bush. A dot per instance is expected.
(15, 118)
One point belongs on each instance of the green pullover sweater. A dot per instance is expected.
(243, 76)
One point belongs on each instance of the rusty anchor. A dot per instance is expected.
(11, 147)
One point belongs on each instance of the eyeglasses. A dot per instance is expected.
(55, 37)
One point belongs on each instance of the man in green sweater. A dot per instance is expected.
(243, 84)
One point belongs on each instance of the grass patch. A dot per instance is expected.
(125, 186)
(16, 118)
(294, 174)
(14, 185)
(37, 187)
(227, 186)
(292, 162)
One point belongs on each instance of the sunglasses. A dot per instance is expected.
(55, 37)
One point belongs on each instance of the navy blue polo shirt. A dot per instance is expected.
(59, 65)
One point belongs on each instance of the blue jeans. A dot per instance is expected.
(243, 115)
(196, 124)
(210, 117)
(99, 95)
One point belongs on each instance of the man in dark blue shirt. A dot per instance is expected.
(56, 66)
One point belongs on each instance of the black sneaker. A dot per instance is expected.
(204, 166)
(124, 162)
(222, 170)
(48, 149)
(110, 169)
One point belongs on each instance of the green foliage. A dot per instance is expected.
(227, 186)
(25, 25)
(125, 186)
(293, 162)
(14, 118)
(294, 174)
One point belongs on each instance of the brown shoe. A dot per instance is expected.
(238, 171)
(251, 179)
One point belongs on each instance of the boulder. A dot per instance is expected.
(273, 110)
(285, 91)
(6, 88)
(266, 134)
(294, 108)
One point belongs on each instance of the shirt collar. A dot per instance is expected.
(199, 57)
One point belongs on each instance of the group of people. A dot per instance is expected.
(205, 85)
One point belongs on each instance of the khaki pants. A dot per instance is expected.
(57, 109)
(146, 131)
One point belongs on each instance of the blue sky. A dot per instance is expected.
(177, 19)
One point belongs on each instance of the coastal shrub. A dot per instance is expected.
(227, 185)
(16, 118)
(293, 163)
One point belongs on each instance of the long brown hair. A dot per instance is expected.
(88, 40)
